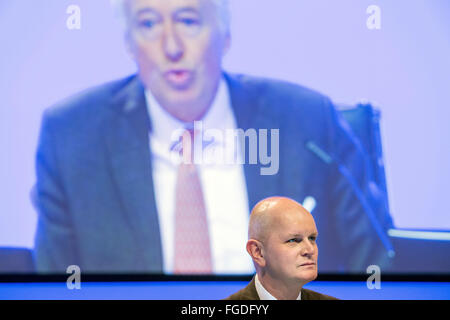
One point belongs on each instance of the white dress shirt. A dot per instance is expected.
(223, 186)
(264, 294)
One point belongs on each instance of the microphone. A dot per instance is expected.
(343, 170)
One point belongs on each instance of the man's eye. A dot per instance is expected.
(148, 24)
(312, 238)
(189, 21)
(293, 240)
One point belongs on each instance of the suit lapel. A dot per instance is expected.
(250, 113)
(127, 140)
(250, 292)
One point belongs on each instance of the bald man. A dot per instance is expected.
(282, 243)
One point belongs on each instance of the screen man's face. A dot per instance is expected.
(178, 46)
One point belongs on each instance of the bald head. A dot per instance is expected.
(282, 243)
(269, 213)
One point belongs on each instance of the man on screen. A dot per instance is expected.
(282, 239)
(112, 197)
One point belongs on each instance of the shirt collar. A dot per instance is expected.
(264, 294)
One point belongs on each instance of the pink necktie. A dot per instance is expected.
(192, 244)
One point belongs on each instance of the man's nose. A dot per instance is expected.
(172, 43)
(308, 248)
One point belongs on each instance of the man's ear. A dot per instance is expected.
(129, 44)
(227, 44)
(255, 249)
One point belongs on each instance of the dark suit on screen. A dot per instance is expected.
(94, 191)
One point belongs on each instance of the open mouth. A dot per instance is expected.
(179, 78)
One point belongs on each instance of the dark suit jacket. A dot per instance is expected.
(250, 293)
(94, 192)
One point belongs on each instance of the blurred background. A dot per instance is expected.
(403, 69)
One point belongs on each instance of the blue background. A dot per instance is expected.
(217, 290)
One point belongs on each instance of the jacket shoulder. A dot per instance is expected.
(247, 293)
(86, 104)
(237, 296)
(313, 295)
(281, 90)
(302, 113)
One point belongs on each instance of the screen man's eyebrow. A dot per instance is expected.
(145, 10)
(186, 10)
(149, 10)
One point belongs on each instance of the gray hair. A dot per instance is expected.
(223, 12)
